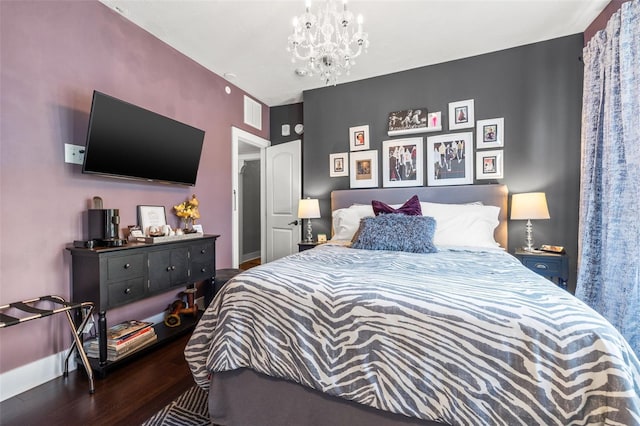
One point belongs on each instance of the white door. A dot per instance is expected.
(241, 143)
(283, 191)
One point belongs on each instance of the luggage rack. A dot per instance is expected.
(59, 305)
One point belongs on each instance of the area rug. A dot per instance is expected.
(189, 409)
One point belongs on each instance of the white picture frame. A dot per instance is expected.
(364, 169)
(450, 159)
(359, 138)
(339, 164)
(151, 216)
(461, 115)
(489, 164)
(402, 162)
(490, 133)
(434, 121)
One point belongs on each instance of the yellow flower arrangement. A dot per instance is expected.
(188, 211)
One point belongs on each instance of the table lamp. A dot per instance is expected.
(309, 208)
(530, 205)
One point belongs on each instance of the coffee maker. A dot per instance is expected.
(104, 227)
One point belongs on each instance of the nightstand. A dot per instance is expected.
(554, 266)
(304, 245)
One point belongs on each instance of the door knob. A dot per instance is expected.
(295, 223)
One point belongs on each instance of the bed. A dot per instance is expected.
(461, 334)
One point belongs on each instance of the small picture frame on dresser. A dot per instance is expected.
(151, 216)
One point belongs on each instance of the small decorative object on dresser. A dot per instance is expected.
(554, 266)
(188, 212)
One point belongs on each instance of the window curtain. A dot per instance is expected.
(609, 231)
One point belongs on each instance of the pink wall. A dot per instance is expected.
(601, 20)
(53, 55)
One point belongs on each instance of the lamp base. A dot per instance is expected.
(309, 238)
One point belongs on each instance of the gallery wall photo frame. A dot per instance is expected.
(407, 122)
(359, 138)
(489, 164)
(450, 159)
(339, 164)
(461, 115)
(402, 162)
(151, 216)
(490, 133)
(363, 169)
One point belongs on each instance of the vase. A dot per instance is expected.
(187, 225)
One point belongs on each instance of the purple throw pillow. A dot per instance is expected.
(411, 207)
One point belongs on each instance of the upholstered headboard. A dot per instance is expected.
(494, 195)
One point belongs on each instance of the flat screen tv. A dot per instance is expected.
(131, 142)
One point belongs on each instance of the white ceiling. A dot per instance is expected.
(245, 40)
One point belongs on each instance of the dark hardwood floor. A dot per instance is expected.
(249, 264)
(128, 395)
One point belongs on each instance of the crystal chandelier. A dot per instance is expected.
(327, 41)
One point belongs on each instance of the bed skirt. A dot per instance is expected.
(244, 397)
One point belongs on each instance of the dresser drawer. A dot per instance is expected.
(549, 267)
(125, 267)
(202, 270)
(125, 292)
(202, 253)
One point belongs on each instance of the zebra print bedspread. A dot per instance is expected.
(461, 337)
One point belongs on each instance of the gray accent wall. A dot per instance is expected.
(537, 88)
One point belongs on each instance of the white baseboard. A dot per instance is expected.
(25, 377)
(250, 256)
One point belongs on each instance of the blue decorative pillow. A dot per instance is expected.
(396, 232)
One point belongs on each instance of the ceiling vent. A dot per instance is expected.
(252, 113)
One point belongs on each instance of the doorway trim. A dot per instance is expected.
(240, 136)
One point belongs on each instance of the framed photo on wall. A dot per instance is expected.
(489, 164)
(490, 133)
(364, 169)
(359, 138)
(461, 115)
(339, 164)
(450, 159)
(402, 162)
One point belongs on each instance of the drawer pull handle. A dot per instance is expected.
(203, 251)
(541, 266)
(127, 265)
(203, 270)
(168, 268)
(127, 291)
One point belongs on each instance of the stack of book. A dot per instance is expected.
(123, 339)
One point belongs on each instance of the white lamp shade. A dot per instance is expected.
(530, 205)
(309, 208)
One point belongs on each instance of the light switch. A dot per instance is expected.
(73, 154)
(286, 130)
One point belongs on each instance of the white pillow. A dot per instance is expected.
(469, 225)
(346, 222)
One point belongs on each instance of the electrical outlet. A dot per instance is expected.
(73, 154)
